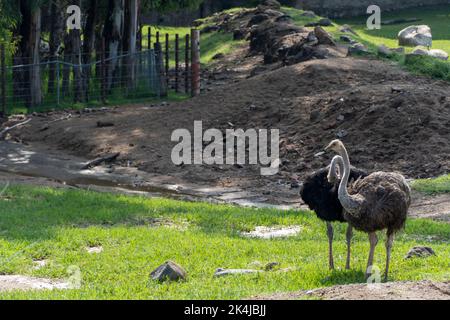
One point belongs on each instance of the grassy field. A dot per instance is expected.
(437, 17)
(433, 186)
(57, 225)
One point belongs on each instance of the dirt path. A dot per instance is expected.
(422, 290)
(22, 164)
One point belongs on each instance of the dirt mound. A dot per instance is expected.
(422, 290)
(389, 120)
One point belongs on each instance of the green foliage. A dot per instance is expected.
(138, 234)
(432, 186)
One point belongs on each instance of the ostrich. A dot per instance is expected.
(320, 193)
(377, 202)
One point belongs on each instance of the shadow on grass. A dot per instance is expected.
(33, 213)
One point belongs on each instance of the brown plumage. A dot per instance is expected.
(377, 202)
(385, 199)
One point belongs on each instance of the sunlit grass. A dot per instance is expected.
(436, 185)
(57, 225)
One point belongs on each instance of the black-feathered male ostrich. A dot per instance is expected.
(320, 193)
(377, 202)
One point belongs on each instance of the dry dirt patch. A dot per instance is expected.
(422, 290)
(18, 282)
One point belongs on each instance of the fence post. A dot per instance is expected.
(157, 37)
(186, 57)
(103, 73)
(149, 35)
(195, 57)
(3, 80)
(58, 93)
(167, 58)
(160, 69)
(177, 58)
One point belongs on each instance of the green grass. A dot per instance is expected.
(210, 43)
(57, 225)
(433, 186)
(437, 17)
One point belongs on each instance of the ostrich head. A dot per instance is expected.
(335, 145)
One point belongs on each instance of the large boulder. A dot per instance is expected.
(323, 36)
(415, 36)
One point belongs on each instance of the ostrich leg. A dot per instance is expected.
(349, 243)
(330, 245)
(373, 239)
(389, 242)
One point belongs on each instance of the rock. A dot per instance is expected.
(323, 36)
(420, 51)
(357, 49)
(226, 272)
(271, 266)
(421, 252)
(435, 53)
(399, 50)
(438, 53)
(168, 271)
(415, 36)
(284, 18)
(209, 29)
(347, 29)
(295, 185)
(325, 22)
(218, 56)
(257, 19)
(341, 134)
(239, 34)
(384, 51)
(340, 118)
(308, 14)
(314, 116)
(345, 38)
(269, 4)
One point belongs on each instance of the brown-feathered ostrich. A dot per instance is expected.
(377, 202)
(320, 193)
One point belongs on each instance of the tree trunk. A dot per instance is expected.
(89, 43)
(113, 35)
(56, 37)
(27, 80)
(130, 41)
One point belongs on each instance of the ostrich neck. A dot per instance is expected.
(350, 203)
(332, 174)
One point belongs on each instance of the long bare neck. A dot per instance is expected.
(349, 202)
(337, 161)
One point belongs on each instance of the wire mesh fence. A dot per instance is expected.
(63, 80)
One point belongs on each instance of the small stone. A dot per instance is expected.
(168, 271)
(271, 266)
(358, 49)
(226, 272)
(315, 114)
(218, 56)
(384, 51)
(421, 252)
(295, 185)
(340, 118)
(341, 134)
(346, 38)
(308, 14)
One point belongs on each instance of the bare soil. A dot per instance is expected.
(389, 119)
(422, 290)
